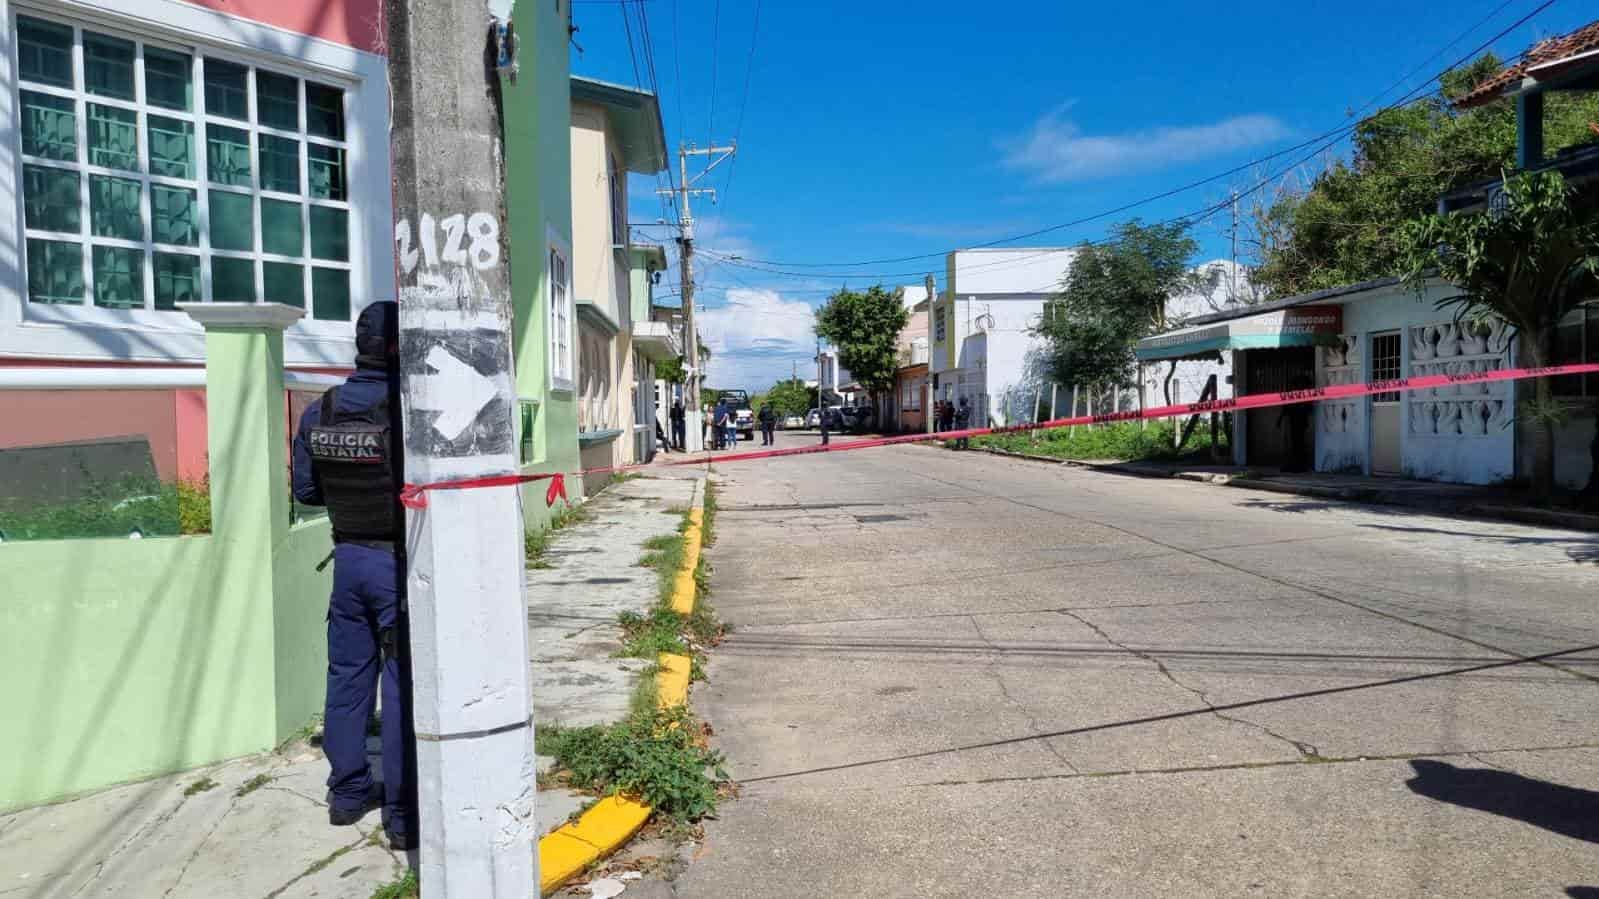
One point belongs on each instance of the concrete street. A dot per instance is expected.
(960, 675)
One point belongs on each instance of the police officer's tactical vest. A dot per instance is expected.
(353, 456)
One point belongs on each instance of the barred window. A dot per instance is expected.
(154, 175)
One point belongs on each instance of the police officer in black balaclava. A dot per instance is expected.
(347, 456)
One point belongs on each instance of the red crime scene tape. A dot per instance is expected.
(414, 495)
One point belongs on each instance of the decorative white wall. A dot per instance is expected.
(1461, 433)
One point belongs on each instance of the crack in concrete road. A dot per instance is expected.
(1251, 766)
(1306, 750)
(319, 864)
(201, 845)
(1032, 720)
(1281, 582)
(1000, 612)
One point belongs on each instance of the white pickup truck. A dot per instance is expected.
(743, 415)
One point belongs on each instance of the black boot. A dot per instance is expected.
(345, 817)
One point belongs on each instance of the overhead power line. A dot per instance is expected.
(1335, 135)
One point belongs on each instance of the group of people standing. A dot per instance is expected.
(953, 417)
(720, 425)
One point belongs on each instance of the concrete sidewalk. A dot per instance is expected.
(256, 828)
(1465, 500)
(592, 576)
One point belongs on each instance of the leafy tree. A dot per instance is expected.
(1114, 294)
(865, 328)
(791, 397)
(1344, 228)
(1528, 264)
(671, 371)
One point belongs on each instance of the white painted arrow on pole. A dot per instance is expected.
(459, 389)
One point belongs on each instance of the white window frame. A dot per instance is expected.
(561, 314)
(200, 121)
(88, 332)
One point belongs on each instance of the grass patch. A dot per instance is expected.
(404, 888)
(200, 786)
(662, 629)
(253, 784)
(306, 733)
(113, 508)
(656, 755)
(708, 524)
(1121, 441)
(646, 636)
(536, 543)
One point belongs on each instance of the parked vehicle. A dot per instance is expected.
(813, 419)
(743, 415)
(793, 422)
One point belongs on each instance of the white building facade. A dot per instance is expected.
(980, 329)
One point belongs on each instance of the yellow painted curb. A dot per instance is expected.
(569, 849)
(671, 682)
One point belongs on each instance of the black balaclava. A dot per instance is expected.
(377, 336)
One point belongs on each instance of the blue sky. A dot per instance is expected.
(890, 129)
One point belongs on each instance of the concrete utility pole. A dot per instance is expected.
(695, 436)
(468, 622)
(932, 310)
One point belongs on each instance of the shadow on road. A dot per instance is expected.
(1568, 811)
(1578, 549)
(1583, 892)
(1584, 551)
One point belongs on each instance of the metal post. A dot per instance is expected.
(684, 192)
(468, 622)
(1073, 429)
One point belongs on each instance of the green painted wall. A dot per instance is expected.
(127, 658)
(124, 659)
(538, 164)
(299, 624)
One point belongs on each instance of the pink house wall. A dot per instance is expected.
(40, 417)
(354, 23)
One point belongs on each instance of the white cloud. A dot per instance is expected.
(755, 337)
(1056, 150)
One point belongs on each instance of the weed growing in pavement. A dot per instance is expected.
(662, 629)
(404, 888)
(200, 786)
(536, 543)
(708, 524)
(1120, 441)
(253, 784)
(646, 636)
(309, 732)
(657, 755)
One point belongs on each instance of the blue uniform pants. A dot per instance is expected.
(364, 611)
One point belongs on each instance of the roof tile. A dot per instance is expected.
(1583, 40)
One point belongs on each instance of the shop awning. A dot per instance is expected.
(1293, 326)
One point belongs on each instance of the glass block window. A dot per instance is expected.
(157, 175)
(177, 280)
(168, 79)
(108, 66)
(171, 147)
(228, 155)
(44, 52)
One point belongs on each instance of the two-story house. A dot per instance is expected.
(615, 131)
(981, 328)
(167, 152)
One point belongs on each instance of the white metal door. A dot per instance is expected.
(1386, 364)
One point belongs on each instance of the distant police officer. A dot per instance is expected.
(347, 457)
